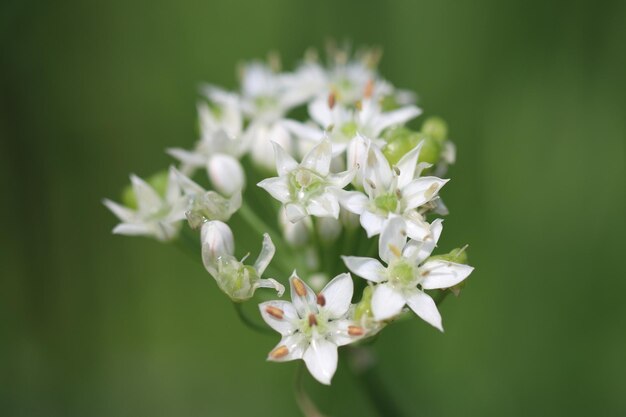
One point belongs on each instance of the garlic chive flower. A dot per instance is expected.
(408, 274)
(235, 279)
(312, 325)
(156, 215)
(392, 192)
(307, 188)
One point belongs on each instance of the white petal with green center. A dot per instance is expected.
(280, 316)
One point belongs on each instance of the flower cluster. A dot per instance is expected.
(349, 189)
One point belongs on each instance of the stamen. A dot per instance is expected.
(356, 331)
(369, 89)
(312, 320)
(332, 99)
(279, 352)
(395, 250)
(299, 286)
(275, 312)
(431, 190)
(321, 300)
(398, 194)
(371, 184)
(396, 170)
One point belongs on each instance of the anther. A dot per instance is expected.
(369, 89)
(312, 320)
(332, 99)
(275, 312)
(431, 190)
(396, 170)
(356, 331)
(371, 184)
(395, 250)
(398, 194)
(299, 286)
(321, 300)
(279, 352)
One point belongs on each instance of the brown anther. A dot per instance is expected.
(398, 194)
(369, 89)
(371, 184)
(299, 286)
(332, 99)
(396, 170)
(275, 312)
(321, 300)
(279, 352)
(425, 273)
(395, 250)
(312, 320)
(356, 331)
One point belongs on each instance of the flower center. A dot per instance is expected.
(349, 130)
(304, 184)
(387, 203)
(402, 273)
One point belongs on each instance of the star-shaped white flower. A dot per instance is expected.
(313, 326)
(156, 216)
(393, 192)
(341, 124)
(308, 188)
(407, 274)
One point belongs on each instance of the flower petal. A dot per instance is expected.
(396, 117)
(321, 359)
(265, 256)
(377, 175)
(386, 302)
(303, 297)
(325, 205)
(424, 306)
(421, 190)
(295, 212)
(148, 200)
(284, 162)
(289, 348)
(217, 240)
(392, 239)
(343, 332)
(353, 201)
(303, 130)
(321, 113)
(278, 187)
(336, 296)
(369, 268)
(280, 316)
(123, 213)
(407, 164)
(420, 250)
(443, 274)
(318, 158)
(372, 223)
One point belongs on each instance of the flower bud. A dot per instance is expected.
(436, 128)
(226, 174)
(217, 241)
(457, 255)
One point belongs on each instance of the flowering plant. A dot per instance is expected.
(347, 183)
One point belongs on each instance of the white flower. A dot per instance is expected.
(237, 280)
(307, 188)
(156, 216)
(407, 274)
(393, 192)
(313, 326)
(221, 145)
(341, 124)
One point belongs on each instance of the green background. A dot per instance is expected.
(93, 324)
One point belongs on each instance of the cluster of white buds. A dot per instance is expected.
(350, 182)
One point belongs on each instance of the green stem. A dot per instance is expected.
(363, 367)
(249, 322)
(304, 401)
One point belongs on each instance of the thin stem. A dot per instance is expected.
(249, 322)
(363, 367)
(304, 401)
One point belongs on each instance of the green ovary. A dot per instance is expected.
(388, 203)
(349, 130)
(401, 273)
(304, 184)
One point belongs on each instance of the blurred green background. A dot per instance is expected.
(93, 324)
